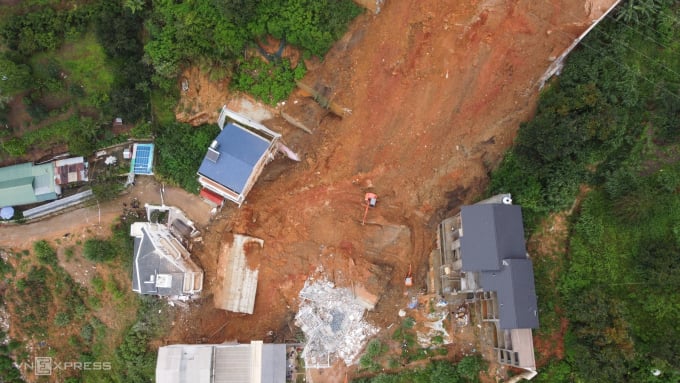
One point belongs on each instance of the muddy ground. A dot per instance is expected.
(437, 90)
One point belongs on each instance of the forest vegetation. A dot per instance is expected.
(607, 131)
(74, 67)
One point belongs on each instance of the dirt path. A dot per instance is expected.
(437, 91)
(90, 221)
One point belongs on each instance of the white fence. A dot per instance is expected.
(57, 205)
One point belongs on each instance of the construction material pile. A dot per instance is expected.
(332, 321)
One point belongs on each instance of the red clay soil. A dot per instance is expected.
(437, 91)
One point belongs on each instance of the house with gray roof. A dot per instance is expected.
(236, 158)
(162, 265)
(482, 255)
(222, 363)
(26, 184)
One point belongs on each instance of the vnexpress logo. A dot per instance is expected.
(43, 365)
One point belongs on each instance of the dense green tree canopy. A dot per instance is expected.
(13, 76)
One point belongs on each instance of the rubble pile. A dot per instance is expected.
(332, 321)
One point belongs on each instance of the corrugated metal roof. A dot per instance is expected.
(239, 152)
(26, 183)
(273, 363)
(70, 170)
(222, 363)
(232, 364)
(236, 283)
(184, 364)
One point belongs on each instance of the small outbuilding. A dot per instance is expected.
(70, 170)
(26, 184)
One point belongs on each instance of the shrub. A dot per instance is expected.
(45, 253)
(5, 268)
(179, 166)
(408, 323)
(97, 284)
(69, 253)
(437, 339)
(62, 319)
(470, 366)
(270, 82)
(99, 250)
(94, 302)
(87, 332)
(15, 147)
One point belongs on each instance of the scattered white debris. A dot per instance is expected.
(438, 327)
(333, 324)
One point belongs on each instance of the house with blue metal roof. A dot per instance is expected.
(26, 184)
(235, 159)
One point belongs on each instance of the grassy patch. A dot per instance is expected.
(163, 107)
(62, 319)
(85, 63)
(270, 82)
(369, 360)
(466, 370)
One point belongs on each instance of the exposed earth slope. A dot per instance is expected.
(437, 90)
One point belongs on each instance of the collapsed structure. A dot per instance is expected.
(236, 284)
(482, 254)
(162, 265)
(332, 321)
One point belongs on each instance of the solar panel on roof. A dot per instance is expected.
(143, 159)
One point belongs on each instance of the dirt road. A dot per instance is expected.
(96, 220)
(437, 90)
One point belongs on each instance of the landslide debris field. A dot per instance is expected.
(437, 90)
(434, 93)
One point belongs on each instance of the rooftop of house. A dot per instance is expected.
(514, 286)
(161, 264)
(70, 170)
(232, 157)
(492, 244)
(491, 233)
(222, 363)
(26, 183)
